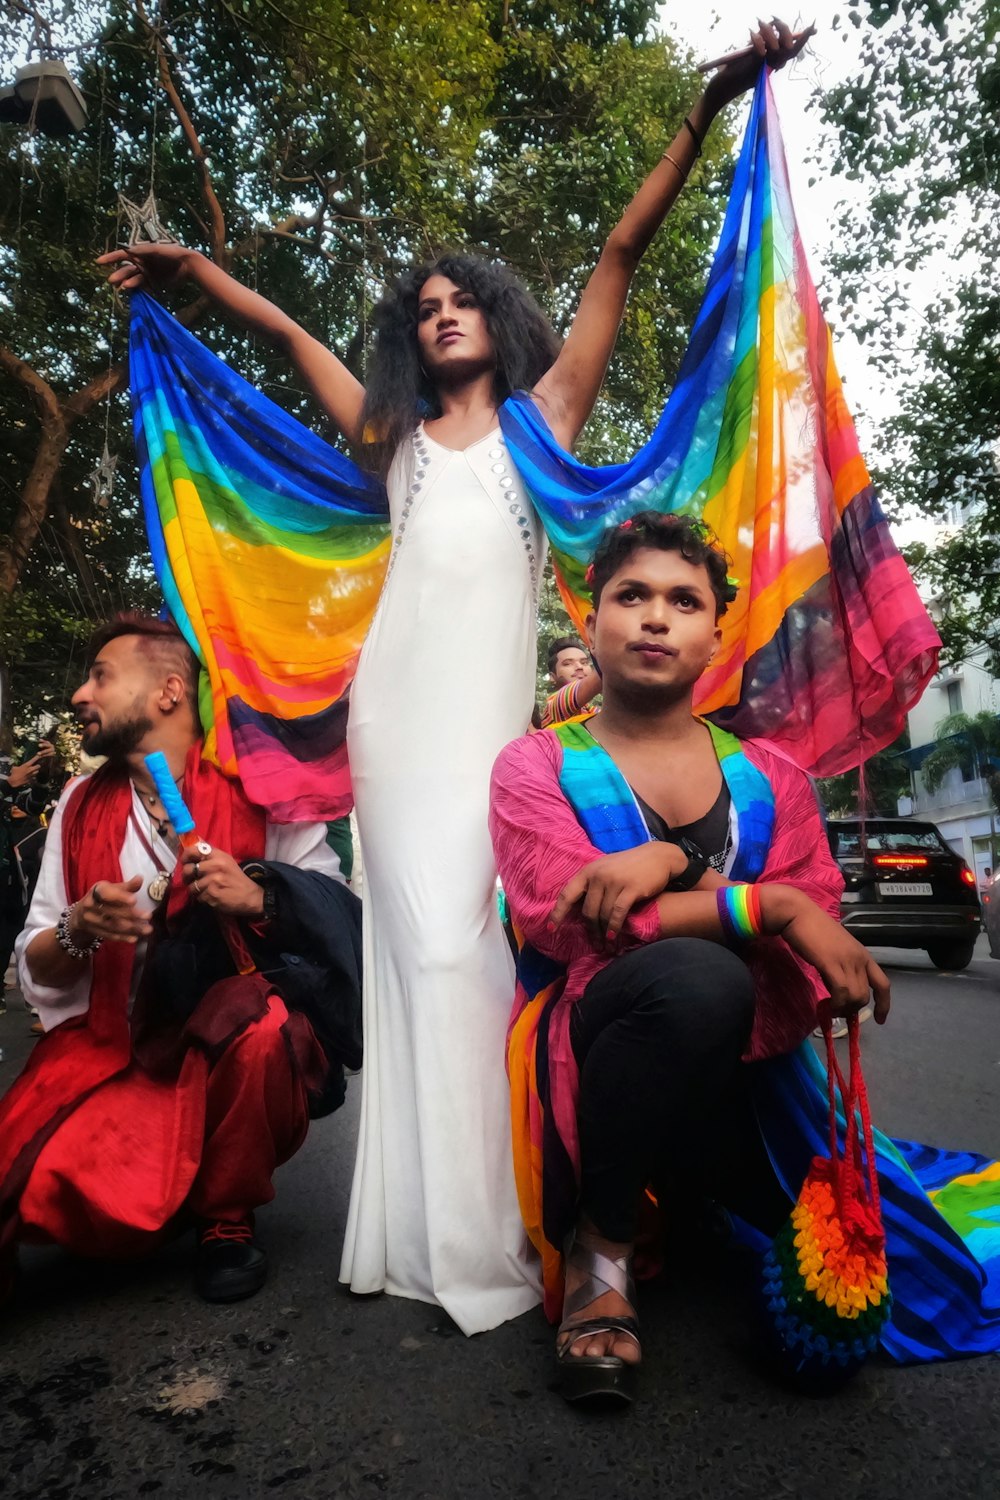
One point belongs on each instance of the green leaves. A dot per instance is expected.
(344, 139)
(920, 128)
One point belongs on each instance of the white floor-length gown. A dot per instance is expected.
(446, 679)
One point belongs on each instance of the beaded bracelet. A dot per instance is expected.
(739, 912)
(65, 938)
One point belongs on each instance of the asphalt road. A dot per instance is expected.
(117, 1382)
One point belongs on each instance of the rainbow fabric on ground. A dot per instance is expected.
(270, 549)
(828, 643)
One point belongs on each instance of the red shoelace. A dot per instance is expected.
(241, 1232)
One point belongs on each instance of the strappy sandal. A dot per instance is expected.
(607, 1377)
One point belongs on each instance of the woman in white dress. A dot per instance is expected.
(445, 680)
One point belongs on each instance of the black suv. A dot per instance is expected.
(905, 888)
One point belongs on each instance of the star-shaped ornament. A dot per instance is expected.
(144, 221)
(102, 479)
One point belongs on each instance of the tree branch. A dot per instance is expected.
(45, 396)
(216, 217)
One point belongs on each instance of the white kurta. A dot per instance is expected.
(446, 679)
(301, 844)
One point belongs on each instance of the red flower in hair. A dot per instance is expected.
(588, 577)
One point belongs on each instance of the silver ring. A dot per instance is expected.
(197, 868)
(195, 886)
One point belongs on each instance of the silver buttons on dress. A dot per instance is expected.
(423, 458)
(506, 483)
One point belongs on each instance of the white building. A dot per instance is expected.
(961, 806)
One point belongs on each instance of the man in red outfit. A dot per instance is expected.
(183, 1050)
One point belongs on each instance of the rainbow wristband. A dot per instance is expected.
(739, 912)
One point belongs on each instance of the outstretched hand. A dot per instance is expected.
(142, 266)
(773, 44)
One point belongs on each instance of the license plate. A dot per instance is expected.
(905, 888)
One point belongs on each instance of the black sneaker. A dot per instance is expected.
(229, 1266)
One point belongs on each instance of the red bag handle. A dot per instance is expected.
(855, 1099)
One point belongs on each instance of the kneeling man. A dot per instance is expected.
(675, 902)
(198, 1005)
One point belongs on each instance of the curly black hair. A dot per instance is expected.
(670, 533)
(399, 394)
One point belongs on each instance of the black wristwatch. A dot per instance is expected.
(696, 866)
(261, 875)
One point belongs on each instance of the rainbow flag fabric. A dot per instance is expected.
(828, 643)
(270, 548)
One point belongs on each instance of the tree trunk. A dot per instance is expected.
(34, 505)
(31, 513)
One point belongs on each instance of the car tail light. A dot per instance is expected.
(902, 861)
(968, 876)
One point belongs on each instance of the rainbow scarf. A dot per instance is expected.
(271, 547)
(542, 1126)
(609, 814)
(828, 643)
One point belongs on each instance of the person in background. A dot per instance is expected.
(24, 794)
(575, 679)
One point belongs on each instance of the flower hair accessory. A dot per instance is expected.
(588, 577)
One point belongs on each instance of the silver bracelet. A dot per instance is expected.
(65, 940)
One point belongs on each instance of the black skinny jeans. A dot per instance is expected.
(658, 1036)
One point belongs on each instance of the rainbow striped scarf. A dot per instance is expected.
(609, 814)
(271, 548)
(828, 643)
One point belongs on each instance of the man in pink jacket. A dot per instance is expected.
(676, 907)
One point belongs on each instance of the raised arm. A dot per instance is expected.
(568, 390)
(339, 394)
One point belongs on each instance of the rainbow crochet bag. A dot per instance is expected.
(825, 1288)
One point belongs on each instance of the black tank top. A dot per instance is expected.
(711, 833)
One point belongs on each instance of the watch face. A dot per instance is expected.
(692, 851)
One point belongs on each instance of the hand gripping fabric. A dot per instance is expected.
(825, 1282)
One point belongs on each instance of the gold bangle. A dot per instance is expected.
(675, 164)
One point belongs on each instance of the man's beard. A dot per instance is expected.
(119, 738)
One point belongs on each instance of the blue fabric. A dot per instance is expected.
(946, 1296)
(609, 814)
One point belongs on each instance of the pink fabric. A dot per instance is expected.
(540, 845)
